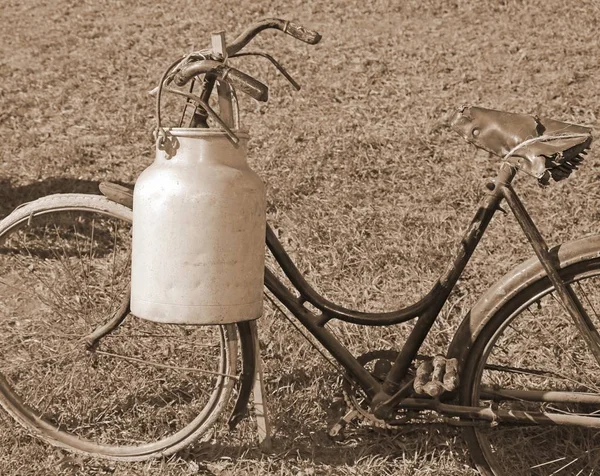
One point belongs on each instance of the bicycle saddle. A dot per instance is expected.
(540, 147)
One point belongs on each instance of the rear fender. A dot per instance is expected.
(512, 284)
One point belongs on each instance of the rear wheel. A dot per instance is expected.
(139, 390)
(531, 344)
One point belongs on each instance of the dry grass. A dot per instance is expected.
(366, 190)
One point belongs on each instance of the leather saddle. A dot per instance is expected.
(540, 147)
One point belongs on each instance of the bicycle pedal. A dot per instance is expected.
(435, 376)
(336, 430)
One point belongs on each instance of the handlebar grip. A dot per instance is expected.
(303, 34)
(187, 72)
(245, 83)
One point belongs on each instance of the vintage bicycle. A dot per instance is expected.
(521, 375)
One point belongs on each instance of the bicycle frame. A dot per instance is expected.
(389, 393)
(396, 388)
(427, 309)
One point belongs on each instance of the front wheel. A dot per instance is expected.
(140, 390)
(530, 344)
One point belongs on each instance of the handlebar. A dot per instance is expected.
(248, 84)
(212, 63)
(242, 81)
(294, 30)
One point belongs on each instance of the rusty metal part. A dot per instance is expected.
(182, 70)
(541, 147)
(238, 79)
(94, 337)
(245, 83)
(200, 116)
(434, 376)
(275, 63)
(209, 110)
(450, 381)
(381, 361)
(301, 33)
(423, 376)
(435, 387)
(546, 396)
(163, 82)
(187, 68)
(226, 95)
(335, 431)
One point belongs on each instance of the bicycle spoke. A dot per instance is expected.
(69, 272)
(588, 299)
(537, 362)
(37, 361)
(165, 366)
(64, 276)
(540, 396)
(63, 303)
(585, 327)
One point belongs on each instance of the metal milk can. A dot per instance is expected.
(199, 222)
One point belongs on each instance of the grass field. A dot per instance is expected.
(367, 190)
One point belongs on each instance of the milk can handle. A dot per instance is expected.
(161, 132)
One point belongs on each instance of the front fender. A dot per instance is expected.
(511, 284)
(247, 342)
(117, 193)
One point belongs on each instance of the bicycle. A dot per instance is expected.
(65, 302)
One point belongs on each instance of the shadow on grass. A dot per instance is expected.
(299, 436)
(359, 444)
(11, 197)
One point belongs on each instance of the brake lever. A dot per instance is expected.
(275, 63)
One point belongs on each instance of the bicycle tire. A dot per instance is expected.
(530, 343)
(64, 269)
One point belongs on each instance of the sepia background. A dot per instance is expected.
(367, 189)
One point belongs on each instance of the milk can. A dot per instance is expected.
(198, 231)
